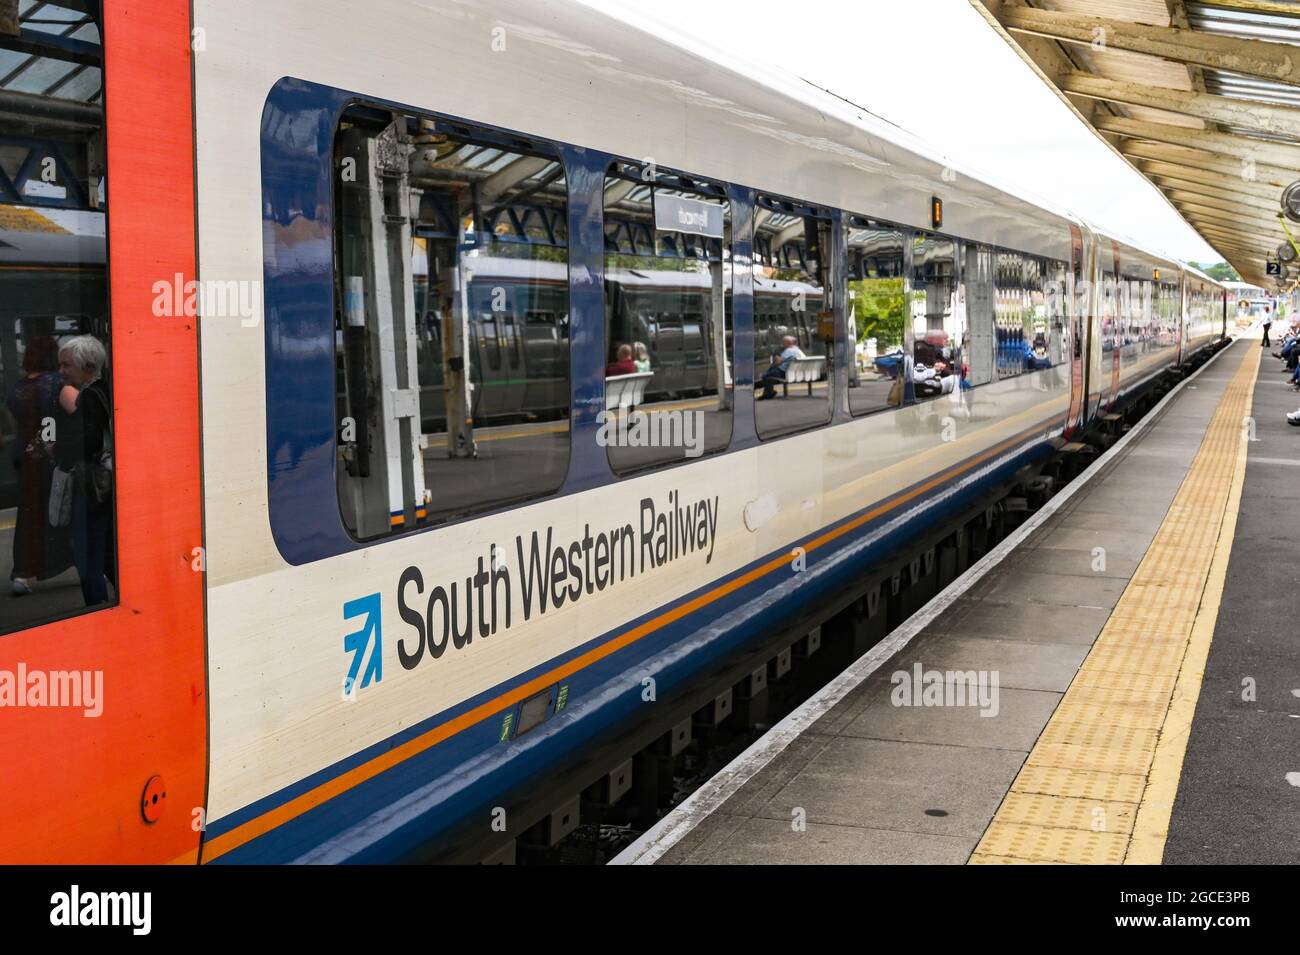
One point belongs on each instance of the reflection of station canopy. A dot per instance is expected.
(52, 156)
(534, 215)
(1203, 99)
(51, 105)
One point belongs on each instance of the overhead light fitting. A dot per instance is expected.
(1291, 202)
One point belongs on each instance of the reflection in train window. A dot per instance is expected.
(668, 326)
(876, 307)
(981, 312)
(1111, 333)
(794, 324)
(55, 374)
(1026, 337)
(938, 335)
(1167, 306)
(1057, 299)
(453, 304)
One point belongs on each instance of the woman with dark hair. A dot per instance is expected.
(40, 551)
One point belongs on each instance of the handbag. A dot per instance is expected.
(61, 483)
(99, 480)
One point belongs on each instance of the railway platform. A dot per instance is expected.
(1117, 682)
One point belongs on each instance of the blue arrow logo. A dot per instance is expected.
(356, 642)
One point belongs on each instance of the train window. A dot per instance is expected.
(55, 337)
(1057, 348)
(453, 308)
(1170, 326)
(876, 306)
(794, 324)
(1111, 334)
(668, 325)
(1027, 336)
(938, 335)
(982, 312)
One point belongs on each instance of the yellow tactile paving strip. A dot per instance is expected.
(1099, 785)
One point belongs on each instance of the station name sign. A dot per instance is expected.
(693, 216)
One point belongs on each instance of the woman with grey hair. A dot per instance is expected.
(84, 447)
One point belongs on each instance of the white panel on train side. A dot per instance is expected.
(275, 632)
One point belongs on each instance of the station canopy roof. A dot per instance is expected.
(53, 53)
(1203, 99)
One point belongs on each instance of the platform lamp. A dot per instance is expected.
(1291, 201)
(1288, 251)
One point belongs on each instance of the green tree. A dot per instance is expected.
(1219, 271)
(878, 311)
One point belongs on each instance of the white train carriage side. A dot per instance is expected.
(413, 619)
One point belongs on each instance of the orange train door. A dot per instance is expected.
(102, 710)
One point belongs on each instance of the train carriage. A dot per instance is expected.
(390, 563)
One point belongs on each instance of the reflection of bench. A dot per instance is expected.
(803, 371)
(626, 391)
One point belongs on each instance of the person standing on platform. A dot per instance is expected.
(40, 551)
(84, 429)
(1268, 321)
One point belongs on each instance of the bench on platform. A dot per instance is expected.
(803, 371)
(626, 391)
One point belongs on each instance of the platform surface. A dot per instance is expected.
(1102, 742)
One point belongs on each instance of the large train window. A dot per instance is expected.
(453, 318)
(1169, 311)
(794, 325)
(982, 312)
(877, 306)
(57, 536)
(1029, 315)
(668, 326)
(1057, 348)
(938, 333)
(1111, 333)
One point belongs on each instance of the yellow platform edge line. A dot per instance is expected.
(1161, 765)
(1151, 828)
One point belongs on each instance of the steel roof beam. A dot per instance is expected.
(1278, 120)
(1239, 147)
(53, 46)
(1264, 58)
(515, 172)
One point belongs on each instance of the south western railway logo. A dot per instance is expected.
(508, 586)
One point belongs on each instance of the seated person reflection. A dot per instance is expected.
(642, 356)
(937, 379)
(624, 365)
(780, 364)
